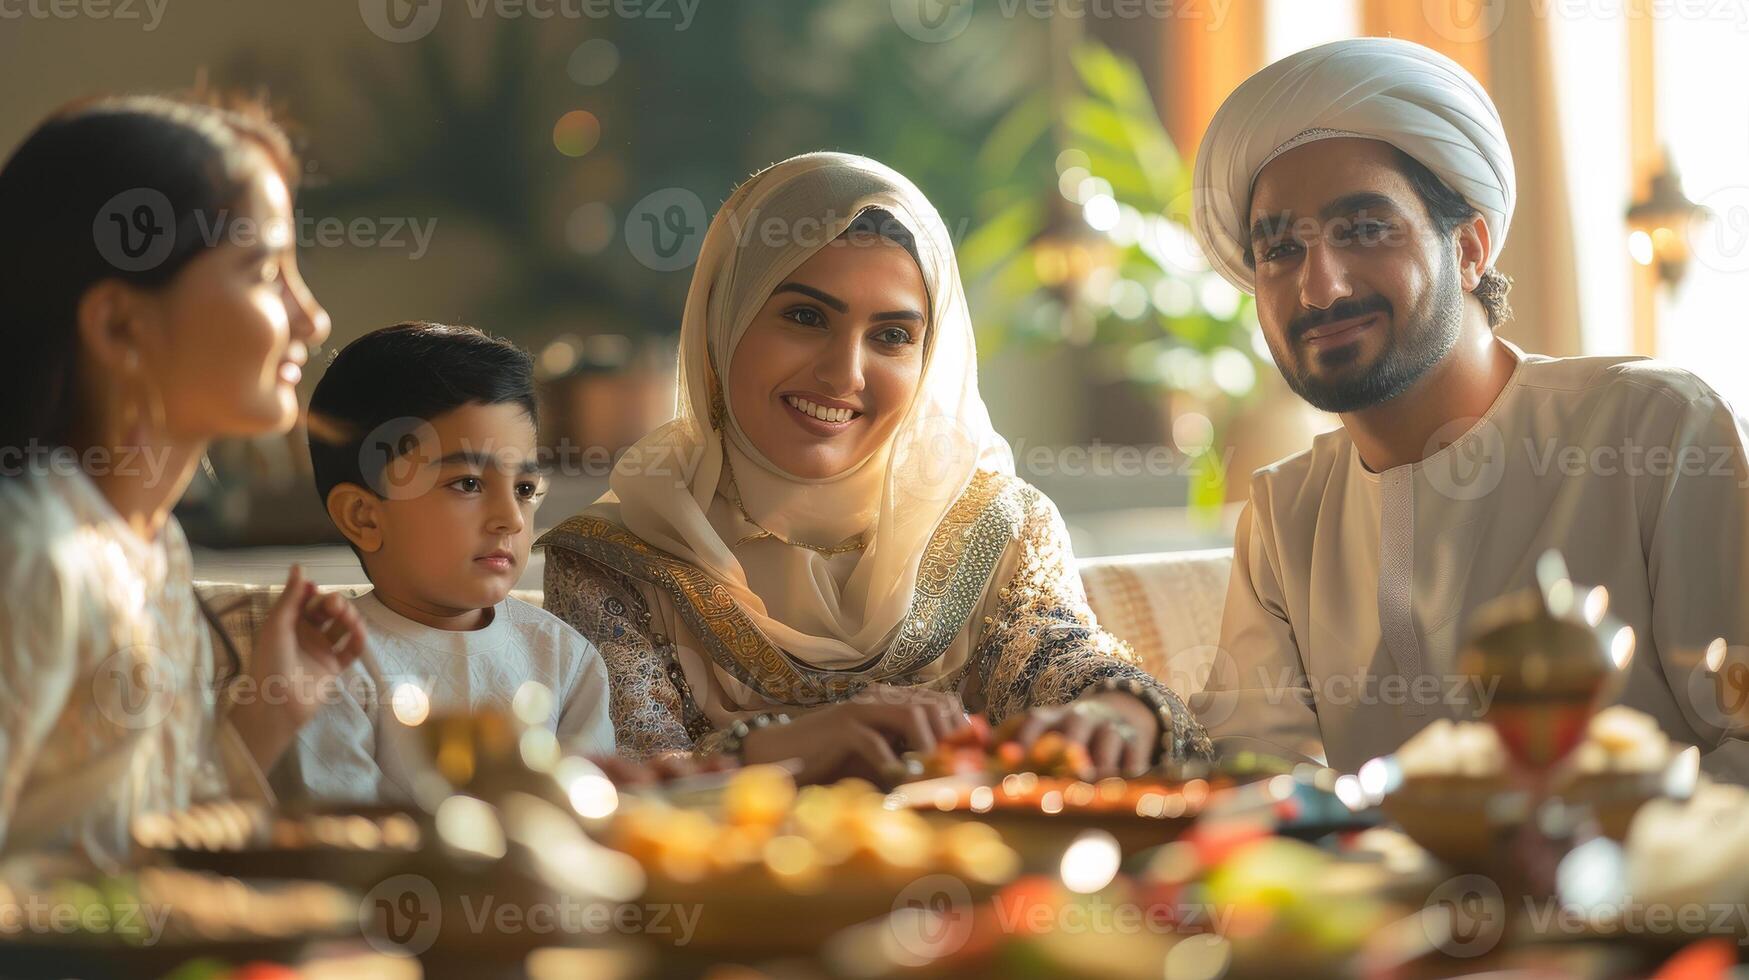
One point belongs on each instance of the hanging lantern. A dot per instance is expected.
(1659, 224)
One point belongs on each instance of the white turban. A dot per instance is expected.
(1409, 96)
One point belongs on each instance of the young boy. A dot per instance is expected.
(423, 445)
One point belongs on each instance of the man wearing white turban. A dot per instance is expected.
(1362, 190)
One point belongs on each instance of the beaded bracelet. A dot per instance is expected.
(738, 732)
(1148, 694)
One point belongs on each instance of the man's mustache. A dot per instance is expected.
(1347, 309)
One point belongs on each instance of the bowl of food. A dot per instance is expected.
(1450, 789)
(1625, 762)
(774, 870)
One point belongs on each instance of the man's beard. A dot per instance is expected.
(1428, 333)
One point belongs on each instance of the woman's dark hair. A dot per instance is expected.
(881, 222)
(1448, 209)
(123, 187)
(410, 372)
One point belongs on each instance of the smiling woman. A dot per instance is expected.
(845, 540)
(830, 362)
(140, 321)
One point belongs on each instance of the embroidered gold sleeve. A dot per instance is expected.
(653, 711)
(1043, 646)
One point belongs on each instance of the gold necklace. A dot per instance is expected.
(765, 532)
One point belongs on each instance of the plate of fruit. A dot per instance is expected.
(1037, 795)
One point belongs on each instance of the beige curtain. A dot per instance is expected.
(1202, 65)
(1458, 29)
(1539, 253)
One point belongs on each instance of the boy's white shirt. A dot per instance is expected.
(348, 752)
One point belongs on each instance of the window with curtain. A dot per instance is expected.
(1703, 113)
(1295, 25)
(1703, 121)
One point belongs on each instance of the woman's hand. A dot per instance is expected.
(307, 639)
(862, 736)
(1118, 731)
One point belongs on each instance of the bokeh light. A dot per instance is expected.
(576, 132)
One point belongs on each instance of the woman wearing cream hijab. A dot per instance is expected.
(829, 557)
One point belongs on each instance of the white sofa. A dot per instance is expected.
(1167, 606)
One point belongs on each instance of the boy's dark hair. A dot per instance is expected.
(413, 370)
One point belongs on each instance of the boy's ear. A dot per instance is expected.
(358, 514)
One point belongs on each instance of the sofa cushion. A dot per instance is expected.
(1166, 606)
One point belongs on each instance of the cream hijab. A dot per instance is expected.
(672, 489)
